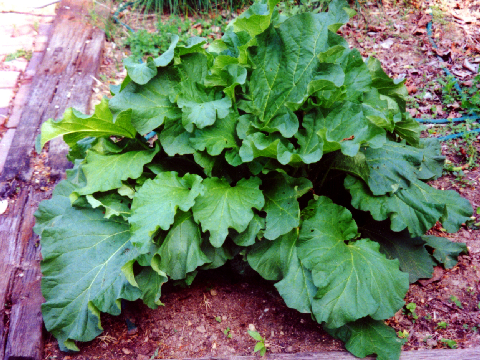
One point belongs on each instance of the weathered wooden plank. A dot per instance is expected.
(64, 79)
(25, 298)
(442, 354)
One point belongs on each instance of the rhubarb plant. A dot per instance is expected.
(277, 143)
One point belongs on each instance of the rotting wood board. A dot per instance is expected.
(442, 354)
(64, 79)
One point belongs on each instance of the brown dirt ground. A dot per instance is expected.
(195, 321)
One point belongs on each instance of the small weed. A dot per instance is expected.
(403, 334)
(293, 7)
(452, 344)
(228, 333)
(465, 326)
(143, 43)
(428, 317)
(455, 300)
(442, 325)
(438, 15)
(411, 310)
(27, 54)
(218, 319)
(260, 345)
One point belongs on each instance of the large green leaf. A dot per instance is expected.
(106, 172)
(175, 139)
(150, 284)
(271, 259)
(297, 287)
(140, 72)
(202, 109)
(113, 203)
(200, 106)
(228, 75)
(412, 256)
(417, 207)
(155, 204)
(49, 211)
(340, 12)
(445, 251)
(408, 129)
(433, 160)
(75, 126)
(256, 18)
(309, 146)
(367, 336)
(281, 205)
(346, 127)
(278, 260)
(392, 167)
(249, 236)
(354, 165)
(395, 165)
(357, 77)
(82, 258)
(216, 138)
(217, 256)
(387, 86)
(353, 280)
(285, 63)
(150, 103)
(223, 206)
(180, 252)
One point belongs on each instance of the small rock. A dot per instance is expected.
(142, 357)
(213, 292)
(201, 329)
(224, 318)
(251, 327)
(126, 351)
(289, 349)
(428, 96)
(3, 206)
(189, 323)
(387, 44)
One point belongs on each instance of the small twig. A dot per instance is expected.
(94, 78)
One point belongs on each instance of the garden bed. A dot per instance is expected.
(211, 318)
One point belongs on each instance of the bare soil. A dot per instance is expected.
(212, 316)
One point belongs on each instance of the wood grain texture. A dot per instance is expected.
(443, 354)
(63, 79)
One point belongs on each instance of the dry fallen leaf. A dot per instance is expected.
(437, 276)
(472, 67)
(412, 89)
